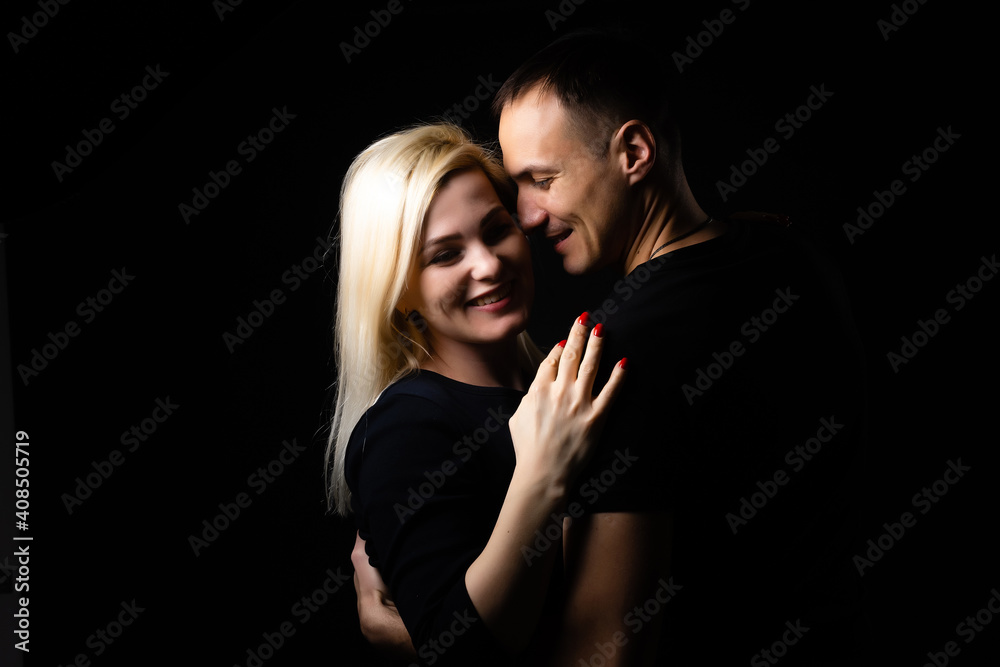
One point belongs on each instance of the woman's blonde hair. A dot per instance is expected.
(383, 202)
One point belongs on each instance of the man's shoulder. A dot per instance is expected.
(751, 246)
(764, 247)
(761, 220)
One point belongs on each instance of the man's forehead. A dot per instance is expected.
(532, 128)
(531, 106)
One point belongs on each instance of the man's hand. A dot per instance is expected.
(380, 621)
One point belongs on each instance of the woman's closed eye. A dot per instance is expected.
(498, 231)
(443, 257)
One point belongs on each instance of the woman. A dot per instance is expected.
(447, 487)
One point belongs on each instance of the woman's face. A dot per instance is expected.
(472, 282)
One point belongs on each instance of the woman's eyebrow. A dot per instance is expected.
(451, 237)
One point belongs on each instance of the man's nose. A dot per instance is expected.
(530, 214)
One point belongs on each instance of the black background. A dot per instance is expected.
(162, 336)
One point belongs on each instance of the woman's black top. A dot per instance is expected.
(428, 466)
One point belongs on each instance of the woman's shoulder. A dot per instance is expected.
(413, 424)
(417, 388)
(422, 406)
(430, 390)
(429, 408)
(415, 400)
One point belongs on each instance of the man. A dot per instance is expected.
(712, 525)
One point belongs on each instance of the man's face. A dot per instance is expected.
(574, 199)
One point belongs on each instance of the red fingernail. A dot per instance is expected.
(598, 329)
(583, 319)
(561, 343)
(623, 363)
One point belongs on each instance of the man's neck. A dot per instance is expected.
(666, 215)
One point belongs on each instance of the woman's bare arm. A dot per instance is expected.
(380, 621)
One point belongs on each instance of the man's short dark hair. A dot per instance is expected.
(603, 79)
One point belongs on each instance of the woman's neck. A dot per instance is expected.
(495, 365)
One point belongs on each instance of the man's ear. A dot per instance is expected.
(637, 150)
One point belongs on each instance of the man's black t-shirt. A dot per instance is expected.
(741, 414)
(428, 466)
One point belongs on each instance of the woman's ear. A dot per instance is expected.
(403, 308)
(637, 149)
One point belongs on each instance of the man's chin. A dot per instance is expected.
(574, 266)
(571, 269)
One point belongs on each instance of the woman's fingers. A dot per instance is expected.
(610, 389)
(587, 374)
(549, 367)
(587, 371)
(569, 363)
(575, 361)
